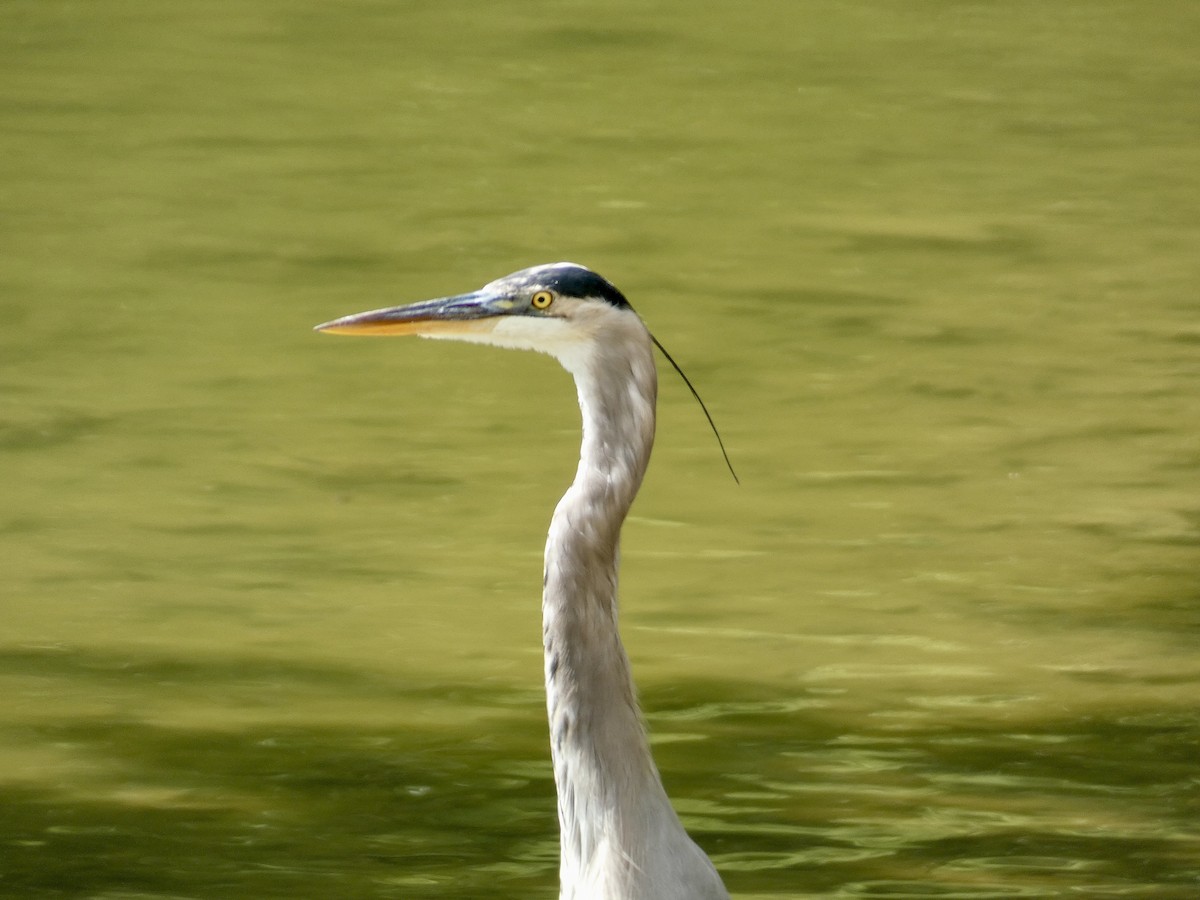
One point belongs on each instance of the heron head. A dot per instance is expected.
(563, 309)
(555, 308)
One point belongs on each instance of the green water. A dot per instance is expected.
(270, 603)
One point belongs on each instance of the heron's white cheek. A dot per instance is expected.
(558, 337)
(530, 332)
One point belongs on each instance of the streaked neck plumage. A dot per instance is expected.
(620, 837)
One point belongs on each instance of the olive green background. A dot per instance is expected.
(270, 599)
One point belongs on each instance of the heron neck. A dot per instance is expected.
(609, 794)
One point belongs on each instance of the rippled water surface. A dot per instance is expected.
(270, 603)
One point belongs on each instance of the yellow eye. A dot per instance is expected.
(541, 299)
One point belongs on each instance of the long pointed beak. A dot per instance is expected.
(475, 312)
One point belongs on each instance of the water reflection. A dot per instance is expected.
(384, 798)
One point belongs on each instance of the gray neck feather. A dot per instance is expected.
(616, 823)
(602, 764)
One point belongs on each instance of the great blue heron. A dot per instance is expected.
(619, 837)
